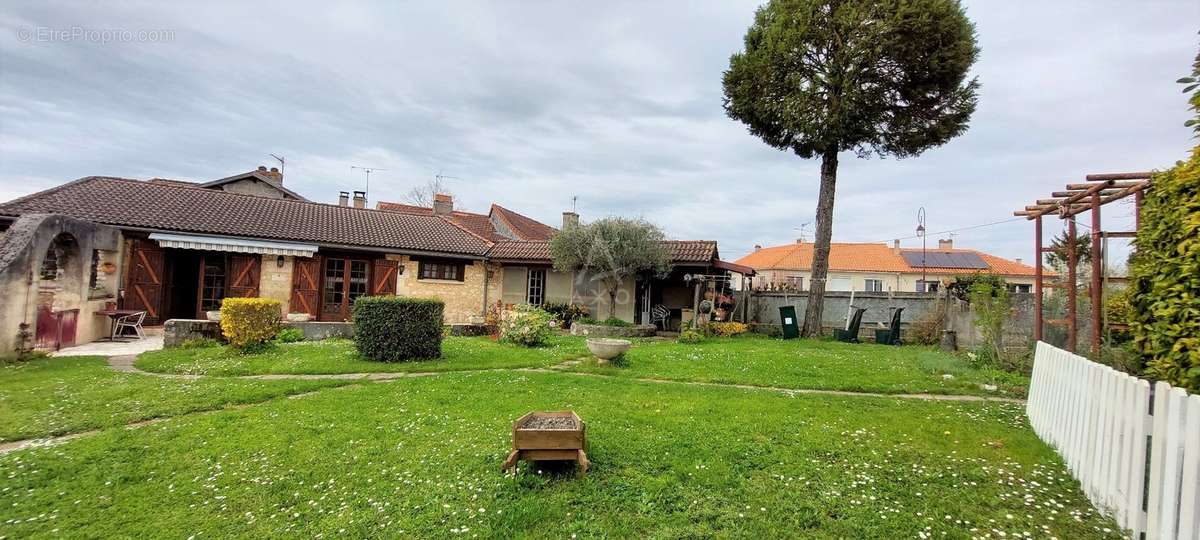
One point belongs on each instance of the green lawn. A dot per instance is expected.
(829, 365)
(339, 356)
(420, 457)
(55, 396)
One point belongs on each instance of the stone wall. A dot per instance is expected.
(464, 299)
(178, 331)
(275, 281)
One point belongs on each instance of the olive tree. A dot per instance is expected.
(610, 251)
(885, 77)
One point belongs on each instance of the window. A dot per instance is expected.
(94, 272)
(213, 288)
(358, 279)
(535, 293)
(1020, 288)
(440, 270)
(794, 282)
(874, 285)
(928, 286)
(838, 284)
(50, 263)
(335, 280)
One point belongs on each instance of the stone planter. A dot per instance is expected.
(299, 317)
(213, 315)
(600, 330)
(606, 349)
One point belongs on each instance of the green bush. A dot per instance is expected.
(611, 321)
(728, 329)
(394, 328)
(526, 325)
(290, 335)
(249, 323)
(1165, 301)
(565, 313)
(691, 335)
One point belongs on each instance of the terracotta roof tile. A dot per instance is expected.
(174, 207)
(867, 258)
(525, 228)
(481, 224)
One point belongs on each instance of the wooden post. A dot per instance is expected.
(1097, 288)
(1072, 259)
(1037, 279)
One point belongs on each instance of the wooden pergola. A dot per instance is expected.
(1099, 190)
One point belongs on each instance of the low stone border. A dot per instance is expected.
(600, 330)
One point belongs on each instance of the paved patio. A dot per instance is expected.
(152, 342)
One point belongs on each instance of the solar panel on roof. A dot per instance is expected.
(943, 259)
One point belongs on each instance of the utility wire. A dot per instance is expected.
(947, 231)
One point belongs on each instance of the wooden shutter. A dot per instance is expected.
(243, 272)
(384, 278)
(145, 279)
(306, 292)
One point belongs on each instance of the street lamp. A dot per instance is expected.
(921, 233)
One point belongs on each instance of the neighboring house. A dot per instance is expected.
(880, 268)
(175, 249)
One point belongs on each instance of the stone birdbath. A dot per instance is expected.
(606, 349)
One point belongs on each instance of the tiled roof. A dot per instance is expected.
(175, 207)
(867, 258)
(682, 251)
(525, 228)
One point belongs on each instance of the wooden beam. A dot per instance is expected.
(1114, 184)
(1119, 176)
(1119, 234)
(1073, 192)
(1137, 187)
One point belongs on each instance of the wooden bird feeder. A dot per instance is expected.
(548, 436)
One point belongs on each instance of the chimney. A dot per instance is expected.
(343, 198)
(274, 174)
(799, 240)
(757, 247)
(570, 219)
(360, 199)
(896, 247)
(442, 204)
(1018, 260)
(946, 243)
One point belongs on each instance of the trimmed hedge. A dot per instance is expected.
(1166, 277)
(250, 322)
(394, 328)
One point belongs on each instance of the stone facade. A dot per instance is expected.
(275, 281)
(465, 300)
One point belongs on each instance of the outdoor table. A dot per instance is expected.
(113, 315)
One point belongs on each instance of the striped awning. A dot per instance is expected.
(237, 245)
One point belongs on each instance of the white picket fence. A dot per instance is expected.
(1135, 452)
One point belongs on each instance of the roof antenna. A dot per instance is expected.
(367, 170)
(574, 199)
(280, 160)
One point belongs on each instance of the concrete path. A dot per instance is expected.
(152, 342)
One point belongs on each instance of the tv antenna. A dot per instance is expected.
(279, 159)
(368, 171)
(439, 177)
(574, 199)
(801, 228)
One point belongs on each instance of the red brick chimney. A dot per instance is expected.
(443, 204)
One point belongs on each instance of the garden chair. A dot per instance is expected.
(891, 334)
(131, 322)
(659, 315)
(850, 334)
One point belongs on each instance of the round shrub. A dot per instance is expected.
(249, 322)
(691, 335)
(526, 325)
(394, 328)
(290, 335)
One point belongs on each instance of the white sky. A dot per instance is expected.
(618, 103)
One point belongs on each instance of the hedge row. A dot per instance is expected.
(394, 328)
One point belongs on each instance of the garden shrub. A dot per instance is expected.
(992, 304)
(691, 335)
(1165, 300)
(395, 328)
(728, 329)
(611, 321)
(565, 313)
(927, 329)
(249, 323)
(290, 335)
(526, 325)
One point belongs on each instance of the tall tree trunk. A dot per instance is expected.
(820, 260)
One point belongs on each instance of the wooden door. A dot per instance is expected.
(244, 272)
(306, 293)
(343, 280)
(385, 278)
(144, 282)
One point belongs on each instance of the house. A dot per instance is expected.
(175, 249)
(876, 267)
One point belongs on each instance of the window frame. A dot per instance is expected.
(540, 287)
(435, 270)
(867, 285)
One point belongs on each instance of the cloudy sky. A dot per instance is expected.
(530, 103)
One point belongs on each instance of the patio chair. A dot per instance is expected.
(850, 335)
(130, 322)
(891, 334)
(659, 315)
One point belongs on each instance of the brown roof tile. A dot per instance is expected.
(169, 206)
(682, 251)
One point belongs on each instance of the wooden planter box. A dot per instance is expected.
(548, 436)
